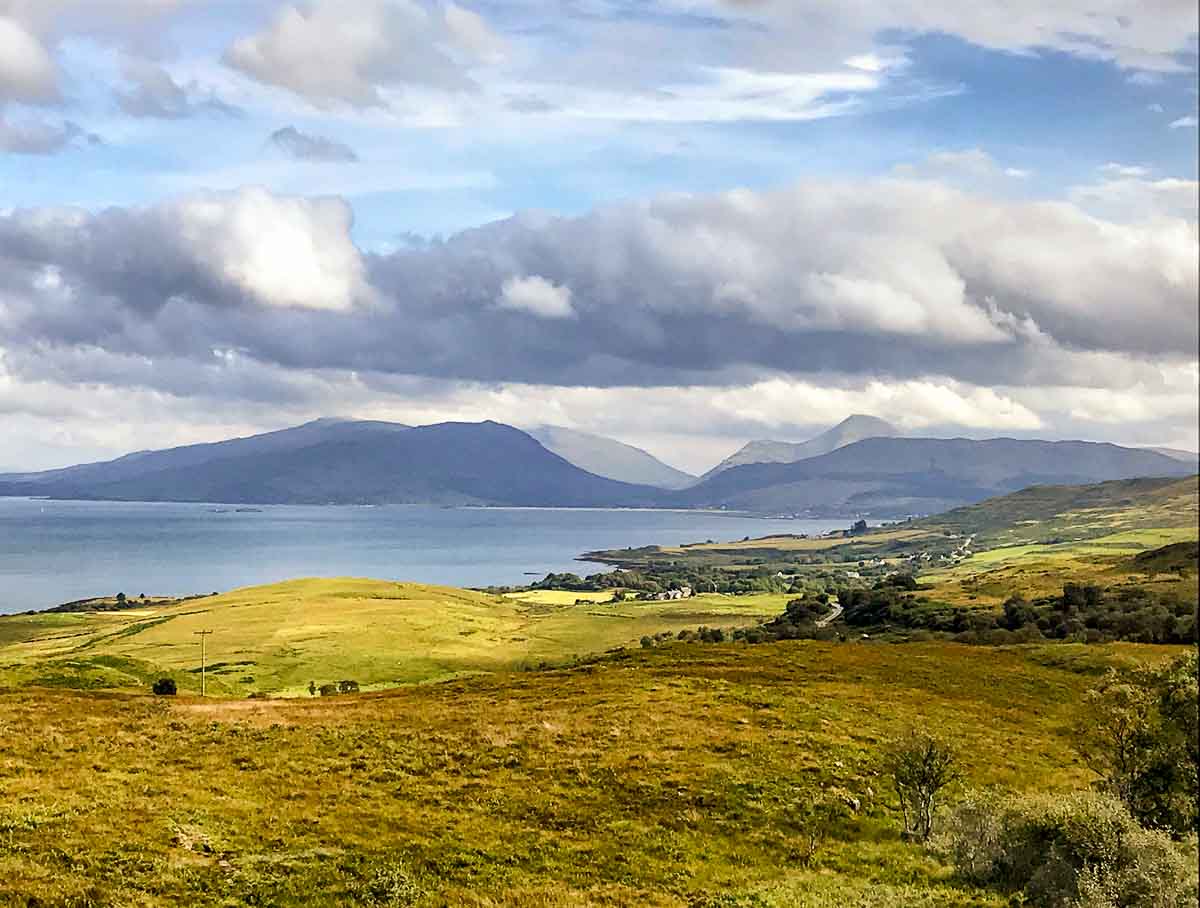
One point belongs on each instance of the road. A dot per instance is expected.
(831, 617)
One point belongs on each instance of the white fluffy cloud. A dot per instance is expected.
(1129, 196)
(351, 52)
(536, 295)
(279, 251)
(882, 276)
(27, 71)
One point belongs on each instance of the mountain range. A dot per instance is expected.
(849, 430)
(611, 459)
(334, 461)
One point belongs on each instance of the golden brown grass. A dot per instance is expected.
(663, 777)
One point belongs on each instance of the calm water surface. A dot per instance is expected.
(55, 551)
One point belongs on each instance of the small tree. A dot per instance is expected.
(312, 688)
(120, 598)
(165, 687)
(921, 767)
(1138, 731)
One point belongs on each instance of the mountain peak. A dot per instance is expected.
(855, 427)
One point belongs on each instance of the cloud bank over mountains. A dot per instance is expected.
(682, 223)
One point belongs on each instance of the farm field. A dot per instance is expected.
(664, 777)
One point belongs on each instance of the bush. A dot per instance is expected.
(165, 687)
(328, 690)
(347, 687)
(392, 885)
(1084, 850)
(921, 767)
(1138, 731)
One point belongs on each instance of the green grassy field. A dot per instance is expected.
(279, 638)
(665, 777)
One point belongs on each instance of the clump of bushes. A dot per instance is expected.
(165, 687)
(333, 688)
(1082, 850)
(392, 885)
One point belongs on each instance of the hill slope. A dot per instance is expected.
(611, 459)
(348, 463)
(897, 476)
(278, 638)
(663, 778)
(853, 428)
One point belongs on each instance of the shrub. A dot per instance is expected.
(392, 886)
(1084, 850)
(347, 687)
(1138, 732)
(328, 690)
(165, 687)
(921, 767)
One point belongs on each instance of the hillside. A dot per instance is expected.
(899, 476)
(378, 633)
(853, 428)
(348, 463)
(668, 778)
(611, 459)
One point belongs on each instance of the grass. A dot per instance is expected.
(1110, 516)
(665, 777)
(280, 637)
(987, 578)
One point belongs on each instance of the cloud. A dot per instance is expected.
(970, 167)
(277, 251)
(30, 33)
(304, 146)
(38, 137)
(27, 71)
(1126, 196)
(1129, 33)
(214, 251)
(536, 295)
(470, 31)
(1155, 108)
(1188, 122)
(880, 277)
(154, 93)
(1124, 170)
(352, 52)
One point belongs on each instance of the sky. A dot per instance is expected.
(683, 224)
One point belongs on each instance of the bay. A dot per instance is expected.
(57, 551)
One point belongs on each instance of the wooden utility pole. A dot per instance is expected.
(202, 635)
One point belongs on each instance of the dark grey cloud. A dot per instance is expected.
(886, 279)
(305, 146)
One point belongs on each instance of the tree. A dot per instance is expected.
(312, 688)
(165, 687)
(921, 767)
(1081, 850)
(1138, 732)
(120, 598)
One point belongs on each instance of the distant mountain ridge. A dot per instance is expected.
(346, 462)
(853, 428)
(363, 462)
(609, 458)
(900, 476)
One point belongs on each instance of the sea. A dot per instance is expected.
(53, 552)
